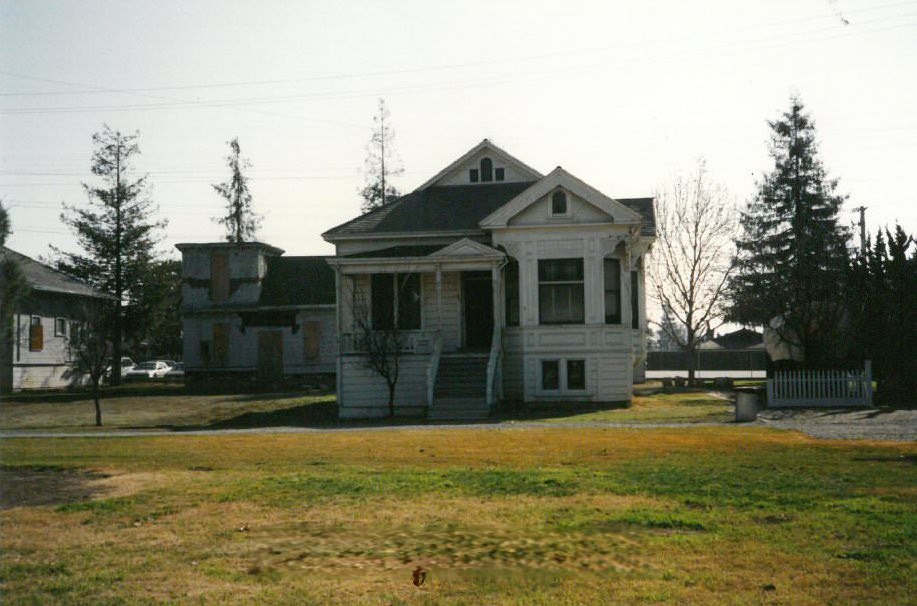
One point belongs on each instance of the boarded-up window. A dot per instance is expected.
(221, 344)
(312, 340)
(219, 277)
(36, 334)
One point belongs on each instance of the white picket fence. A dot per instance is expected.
(823, 388)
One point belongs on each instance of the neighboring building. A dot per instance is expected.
(37, 355)
(741, 339)
(250, 314)
(502, 283)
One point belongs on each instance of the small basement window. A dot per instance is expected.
(550, 375)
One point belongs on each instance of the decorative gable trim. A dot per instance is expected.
(468, 248)
(562, 179)
(494, 151)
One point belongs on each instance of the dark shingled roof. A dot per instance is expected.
(644, 206)
(440, 208)
(398, 251)
(297, 281)
(40, 277)
(740, 339)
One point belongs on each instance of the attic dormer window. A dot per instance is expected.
(559, 203)
(473, 175)
(498, 174)
(487, 170)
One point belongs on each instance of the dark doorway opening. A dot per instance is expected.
(477, 294)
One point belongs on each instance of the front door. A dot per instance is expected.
(477, 294)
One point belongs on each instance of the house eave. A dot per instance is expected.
(401, 235)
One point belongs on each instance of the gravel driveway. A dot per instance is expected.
(837, 424)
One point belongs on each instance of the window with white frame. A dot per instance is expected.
(560, 291)
(563, 375)
(612, 271)
(395, 301)
(60, 327)
(559, 203)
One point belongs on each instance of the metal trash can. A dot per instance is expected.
(748, 403)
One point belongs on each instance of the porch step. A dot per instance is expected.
(462, 376)
(458, 409)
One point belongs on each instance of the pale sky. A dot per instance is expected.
(622, 95)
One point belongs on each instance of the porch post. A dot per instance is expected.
(439, 299)
(339, 321)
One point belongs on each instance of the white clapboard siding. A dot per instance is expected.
(820, 388)
(364, 393)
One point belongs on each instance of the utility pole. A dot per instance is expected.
(862, 211)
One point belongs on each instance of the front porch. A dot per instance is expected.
(437, 318)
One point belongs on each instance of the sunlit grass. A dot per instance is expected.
(682, 407)
(717, 515)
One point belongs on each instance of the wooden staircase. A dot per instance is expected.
(461, 389)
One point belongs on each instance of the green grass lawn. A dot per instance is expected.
(149, 407)
(545, 515)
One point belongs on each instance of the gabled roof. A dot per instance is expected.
(297, 281)
(492, 150)
(434, 209)
(645, 207)
(561, 178)
(43, 278)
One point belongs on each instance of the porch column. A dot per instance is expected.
(439, 300)
(495, 287)
(339, 321)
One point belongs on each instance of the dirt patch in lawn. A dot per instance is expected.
(31, 486)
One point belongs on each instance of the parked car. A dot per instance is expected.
(177, 372)
(126, 365)
(153, 369)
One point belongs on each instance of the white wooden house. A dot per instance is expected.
(37, 354)
(250, 314)
(501, 282)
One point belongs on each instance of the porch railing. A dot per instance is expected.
(433, 368)
(822, 388)
(412, 341)
(493, 366)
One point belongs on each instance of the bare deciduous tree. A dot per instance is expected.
(91, 350)
(692, 260)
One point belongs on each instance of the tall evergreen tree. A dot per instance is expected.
(115, 232)
(241, 221)
(882, 300)
(792, 254)
(381, 163)
(13, 287)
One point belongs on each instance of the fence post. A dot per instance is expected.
(867, 377)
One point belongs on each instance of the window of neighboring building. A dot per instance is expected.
(560, 291)
(386, 299)
(60, 327)
(221, 344)
(634, 300)
(487, 170)
(473, 175)
(559, 203)
(36, 334)
(612, 291)
(205, 353)
(499, 174)
(550, 375)
(312, 340)
(511, 279)
(576, 374)
(219, 277)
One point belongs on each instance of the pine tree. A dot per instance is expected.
(381, 164)
(115, 232)
(792, 253)
(240, 221)
(13, 287)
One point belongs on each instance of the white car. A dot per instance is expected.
(177, 371)
(154, 369)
